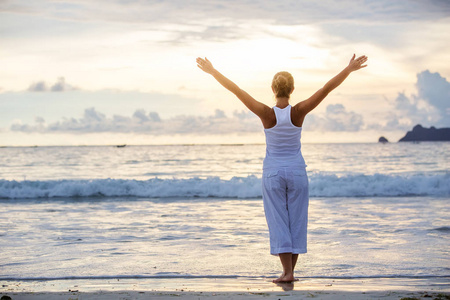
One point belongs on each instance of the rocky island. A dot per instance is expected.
(421, 134)
(383, 140)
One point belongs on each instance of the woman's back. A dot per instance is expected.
(283, 147)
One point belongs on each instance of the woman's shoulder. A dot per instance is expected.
(270, 119)
(297, 116)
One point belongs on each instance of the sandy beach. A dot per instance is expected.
(233, 295)
(216, 288)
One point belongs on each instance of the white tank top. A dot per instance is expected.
(283, 147)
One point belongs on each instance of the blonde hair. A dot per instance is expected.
(283, 84)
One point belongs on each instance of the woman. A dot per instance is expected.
(285, 184)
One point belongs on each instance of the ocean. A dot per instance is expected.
(195, 211)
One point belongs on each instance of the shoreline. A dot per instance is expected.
(226, 288)
(138, 295)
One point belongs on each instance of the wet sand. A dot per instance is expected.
(229, 288)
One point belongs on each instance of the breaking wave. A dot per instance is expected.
(321, 185)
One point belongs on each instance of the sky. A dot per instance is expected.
(123, 72)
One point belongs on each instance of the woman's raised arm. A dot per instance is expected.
(304, 107)
(258, 108)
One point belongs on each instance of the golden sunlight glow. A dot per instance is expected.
(281, 48)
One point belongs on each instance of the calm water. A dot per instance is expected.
(375, 210)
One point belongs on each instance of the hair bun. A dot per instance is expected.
(281, 81)
(283, 84)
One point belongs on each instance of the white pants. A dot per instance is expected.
(285, 197)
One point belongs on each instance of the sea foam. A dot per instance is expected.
(321, 185)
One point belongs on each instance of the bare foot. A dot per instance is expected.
(284, 278)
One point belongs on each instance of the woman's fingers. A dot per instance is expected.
(200, 61)
(362, 59)
(358, 63)
(205, 65)
(203, 62)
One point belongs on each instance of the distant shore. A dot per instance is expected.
(422, 134)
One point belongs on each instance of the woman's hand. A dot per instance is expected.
(205, 65)
(356, 64)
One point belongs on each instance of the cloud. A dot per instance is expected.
(336, 118)
(146, 123)
(190, 21)
(59, 86)
(435, 90)
(183, 11)
(141, 116)
(429, 107)
(39, 86)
